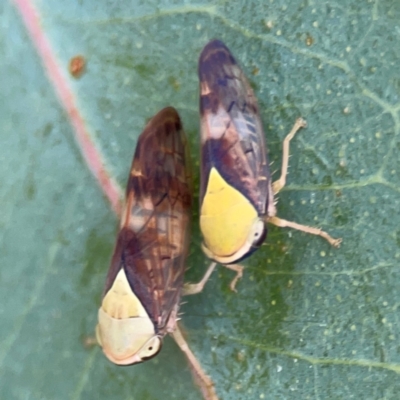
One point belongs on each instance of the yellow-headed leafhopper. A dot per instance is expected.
(236, 192)
(144, 283)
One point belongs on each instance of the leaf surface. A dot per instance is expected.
(309, 321)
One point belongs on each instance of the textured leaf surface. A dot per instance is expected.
(309, 321)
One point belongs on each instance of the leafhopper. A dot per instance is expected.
(236, 191)
(144, 283)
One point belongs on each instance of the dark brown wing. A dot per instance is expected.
(153, 241)
(232, 138)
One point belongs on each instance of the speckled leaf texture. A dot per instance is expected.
(308, 321)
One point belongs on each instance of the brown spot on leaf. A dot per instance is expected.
(77, 66)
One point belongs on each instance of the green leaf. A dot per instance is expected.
(309, 321)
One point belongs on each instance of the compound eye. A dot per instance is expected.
(259, 233)
(151, 348)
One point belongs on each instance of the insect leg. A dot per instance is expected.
(202, 379)
(282, 223)
(280, 183)
(193, 288)
(239, 273)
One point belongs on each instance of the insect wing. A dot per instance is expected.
(143, 285)
(232, 136)
(234, 170)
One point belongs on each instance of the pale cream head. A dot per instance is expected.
(125, 330)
